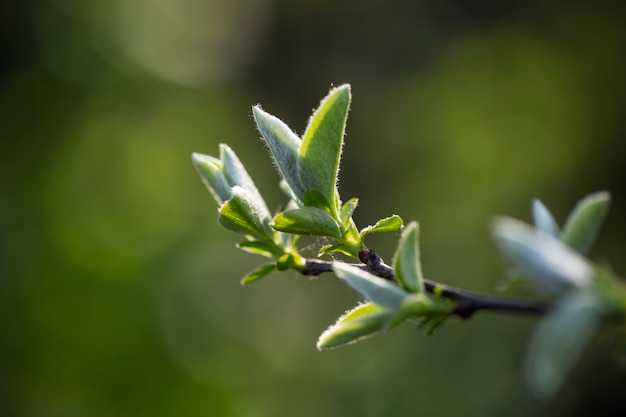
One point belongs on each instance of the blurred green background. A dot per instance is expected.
(120, 295)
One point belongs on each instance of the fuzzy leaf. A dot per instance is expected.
(210, 170)
(284, 146)
(242, 214)
(336, 248)
(406, 263)
(347, 210)
(560, 339)
(320, 152)
(314, 198)
(388, 224)
(363, 321)
(260, 248)
(546, 262)
(420, 306)
(374, 289)
(544, 220)
(307, 221)
(583, 224)
(259, 273)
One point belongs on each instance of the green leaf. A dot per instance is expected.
(290, 261)
(259, 273)
(406, 263)
(546, 262)
(322, 142)
(388, 224)
(242, 214)
(544, 220)
(236, 174)
(374, 289)
(314, 198)
(560, 339)
(284, 146)
(260, 248)
(210, 170)
(419, 306)
(363, 321)
(583, 224)
(336, 248)
(307, 221)
(347, 210)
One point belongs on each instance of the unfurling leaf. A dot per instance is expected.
(322, 142)
(307, 221)
(583, 224)
(363, 321)
(406, 263)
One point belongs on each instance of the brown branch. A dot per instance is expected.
(467, 303)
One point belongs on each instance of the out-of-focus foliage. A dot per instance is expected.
(119, 294)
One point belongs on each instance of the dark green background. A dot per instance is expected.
(120, 295)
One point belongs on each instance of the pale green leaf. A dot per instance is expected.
(284, 146)
(210, 170)
(544, 220)
(322, 142)
(583, 224)
(347, 210)
(377, 290)
(406, 262)
(363, 321)
(546, 262)
(307, 221)
(560, 339)
(242, 214)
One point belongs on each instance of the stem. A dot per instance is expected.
(467, 303)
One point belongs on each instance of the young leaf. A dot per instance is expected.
(320, 153)
(347, 210)
(236, 174)
(307, 221)
(388, 224)
(284, 146)
(336, 248)
(260, 248)
(259, 273)
(242, 214)
(210, 170)
(406, 263)
(363, 321)
(583, 224)
(314, 198)
(544, 220)
(420, 306)
(290, 261)
(546, 262)
(560, 339)
(374, 289)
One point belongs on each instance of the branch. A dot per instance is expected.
(467, 303)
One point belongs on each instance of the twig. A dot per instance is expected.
(467, 303)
